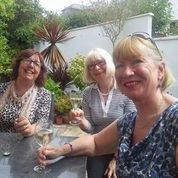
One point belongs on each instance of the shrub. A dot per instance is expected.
(76, 71)
(61, 101)
(54, 87)
(63, 104)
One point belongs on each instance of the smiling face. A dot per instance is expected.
(138, 74)
(97, 69)
(98, 65)
(29, 69)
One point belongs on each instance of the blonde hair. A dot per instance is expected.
(132, 46)
(95, 55)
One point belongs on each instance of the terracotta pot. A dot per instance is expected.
(58, 119)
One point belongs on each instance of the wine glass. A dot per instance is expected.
(43, 136)
(8, 143)
(76, 100)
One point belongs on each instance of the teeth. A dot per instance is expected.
(29, 72)
(130, 84)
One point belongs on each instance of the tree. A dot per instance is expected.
(6, 13)
(111, 15)
(20, 30)
(161, 10)
(79, 19)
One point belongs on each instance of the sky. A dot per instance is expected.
(58, 5)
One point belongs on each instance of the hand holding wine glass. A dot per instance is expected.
(76, 100)
(43, 136)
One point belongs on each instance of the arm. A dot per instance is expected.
(104, 142)
(87, 125)
(23, 124)
(111, 169)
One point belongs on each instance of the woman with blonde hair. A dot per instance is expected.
(102, 104)
(146, 140)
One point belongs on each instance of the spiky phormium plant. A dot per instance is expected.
(52, 32)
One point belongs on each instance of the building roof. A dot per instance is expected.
(74, 6)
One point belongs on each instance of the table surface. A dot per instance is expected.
(22, 160)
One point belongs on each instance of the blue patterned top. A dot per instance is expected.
(154, 156)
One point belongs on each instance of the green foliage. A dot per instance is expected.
(76, 71)
(6, 13)
(174, 28)
(20, 29)
(63, 104)
(5, 62)
(111, 15)
(62, 101)
(79, 19)
(54, 87)
(161, 10)
(117, 11)
(6, 9)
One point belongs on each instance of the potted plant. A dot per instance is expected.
(62, 103)
(62, 108)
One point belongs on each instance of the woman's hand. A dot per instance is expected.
(76, 115)
(111, 169)
(47, 153)
(23, 126)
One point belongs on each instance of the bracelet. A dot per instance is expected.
(70, 145)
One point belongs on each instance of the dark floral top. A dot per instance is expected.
(154, 156)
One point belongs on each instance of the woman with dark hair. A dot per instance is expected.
(24, 100)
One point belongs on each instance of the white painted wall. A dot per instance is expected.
(89, 37)
(169, 48)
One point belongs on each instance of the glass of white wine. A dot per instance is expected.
(76, 100)
(43, 136)
(7, 146)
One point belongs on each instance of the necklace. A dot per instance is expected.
(103, 94)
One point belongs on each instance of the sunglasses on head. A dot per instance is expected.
(146, 36)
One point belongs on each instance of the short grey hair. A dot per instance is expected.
(94, 55)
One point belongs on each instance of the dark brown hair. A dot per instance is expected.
(40, 81)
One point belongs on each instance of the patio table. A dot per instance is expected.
(21, 161)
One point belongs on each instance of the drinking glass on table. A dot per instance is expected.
(43, 136)
(7, 145)
(76, 100)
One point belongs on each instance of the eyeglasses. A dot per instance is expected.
(100, 63)
(146, 36)
(29, 61)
